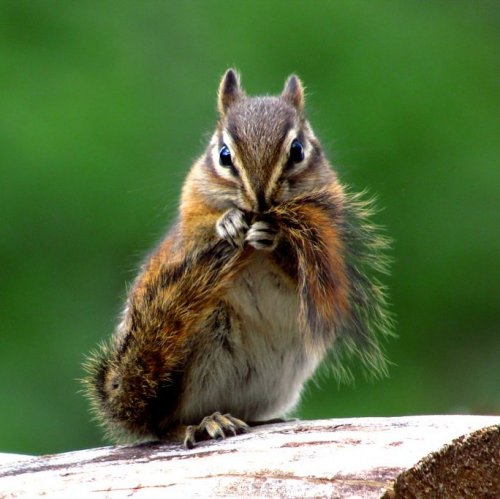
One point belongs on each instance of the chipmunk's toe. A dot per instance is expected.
(215, 427)
(232, 226)
(262, 236)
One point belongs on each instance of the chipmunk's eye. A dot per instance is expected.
(225, 156)
(296, 152)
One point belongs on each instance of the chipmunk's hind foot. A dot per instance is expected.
(215, 427)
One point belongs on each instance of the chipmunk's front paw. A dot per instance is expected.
(232, 226)
(262, 236)
(214, 427)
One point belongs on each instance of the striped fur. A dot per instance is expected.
(269, 267)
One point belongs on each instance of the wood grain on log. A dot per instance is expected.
(324, 458)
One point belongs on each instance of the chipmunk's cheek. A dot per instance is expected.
(244, 203)
(283, 193)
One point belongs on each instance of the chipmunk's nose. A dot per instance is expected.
(262, 204)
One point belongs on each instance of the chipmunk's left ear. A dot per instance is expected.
(229, 91)
(293, 92)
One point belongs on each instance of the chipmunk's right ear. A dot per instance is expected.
(229, 91)
(293, 92)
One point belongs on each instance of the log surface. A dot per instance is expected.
(321, 458)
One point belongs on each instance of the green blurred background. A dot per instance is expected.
(103, 107)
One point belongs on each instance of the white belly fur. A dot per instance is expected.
(261, 375)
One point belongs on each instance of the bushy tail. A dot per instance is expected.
(134, 380)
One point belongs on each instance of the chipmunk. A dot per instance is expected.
(267, 269)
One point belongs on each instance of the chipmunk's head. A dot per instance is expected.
(263, 150)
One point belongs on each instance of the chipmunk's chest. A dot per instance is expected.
(251, 360)
(265, 300)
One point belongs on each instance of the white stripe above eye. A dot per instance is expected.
(224, 171)
(285, 153)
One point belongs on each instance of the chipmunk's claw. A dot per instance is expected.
(262, 236)
(232, 226)
(215, 427)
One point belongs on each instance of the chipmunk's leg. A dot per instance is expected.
(218, 426)
(214, 427)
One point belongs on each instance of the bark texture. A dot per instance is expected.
(323, 458)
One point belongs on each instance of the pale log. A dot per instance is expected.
(357, 457)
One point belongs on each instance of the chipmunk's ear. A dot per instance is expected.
(229, 91)
(293, 92)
